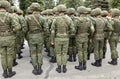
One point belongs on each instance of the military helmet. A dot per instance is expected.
(104, 13)
(82, 10)
(89, 10)
(61, 8)
(4, 4)
(71, 11)
(96, 12)
(35, 7)
(115, 12)
(29, 11)
(13, 9)
(19, 11)
(44, 12)
(54, 9)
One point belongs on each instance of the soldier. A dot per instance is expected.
(107, 32)
(90, 40)
(114, 37)
(23, 25)
(83, 29)
(8, 28)
(61, 27)
(36, 25)
(13, 11)
(72, 50)
(98, 38)
(18, 37)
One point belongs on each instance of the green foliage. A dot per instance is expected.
(115, 3)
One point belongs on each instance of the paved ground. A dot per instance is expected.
(24, 69)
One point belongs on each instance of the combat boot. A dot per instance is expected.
(96, 63)
(11, 73)
(84, 65)
(64, 69)
(58, 69)
(53, 59)
(80, 66)
(70, 58)
(35, 71)
(100, 62)
(14, 62)
(113, 62)
(39, 70)
(74, 57)
(5, 75)
(88, 56)
(19, 55)
(104, 55)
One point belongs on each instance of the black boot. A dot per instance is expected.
(84, 65)
(70, 58)
(39, 70)
(14, 62)
(88, 56)
(96, 63)
(100, 62)
(35, 71)
(11, 73)
(80, 66)
(58, 69)
(104, 55)
(5, 75)
(64, 69)
(74, 57)
(19, 55)
(53, 59)
(113, 62)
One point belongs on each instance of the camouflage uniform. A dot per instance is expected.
(36, 25)
(13, 11)
(107, 32)
(9, 27)
(60, 29)
(72, 50)
(98, 38)
(83, 28)
(114, 37)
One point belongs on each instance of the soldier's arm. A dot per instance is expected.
(72, 28)
(52, 35)
(14, 24)
(92, 29)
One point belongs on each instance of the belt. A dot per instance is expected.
(6, 33)
(35, 31)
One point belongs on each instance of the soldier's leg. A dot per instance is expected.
(114, 53)
(4, 62)
(104, 47)
(52, 54)
(40, 56)
(96, 53)
(64, 54)
(58, 54)
(70, 50)
(33, 57)
(80, 56)
(101, 44)
(85, 46)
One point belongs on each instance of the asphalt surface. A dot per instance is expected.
(24, 68)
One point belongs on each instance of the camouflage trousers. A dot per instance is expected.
(61, 48)
(82, 50)
(72, 46)
(36, 45)
(7, 45)
(113, 47)
(98, 48)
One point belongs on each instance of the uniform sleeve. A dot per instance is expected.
(16, 26)
(72, 28)
(52, 35)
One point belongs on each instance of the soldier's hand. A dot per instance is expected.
(52, 43)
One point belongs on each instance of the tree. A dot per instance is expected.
(73, 3)
(115, 4)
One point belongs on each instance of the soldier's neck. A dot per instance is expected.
(2, 10)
